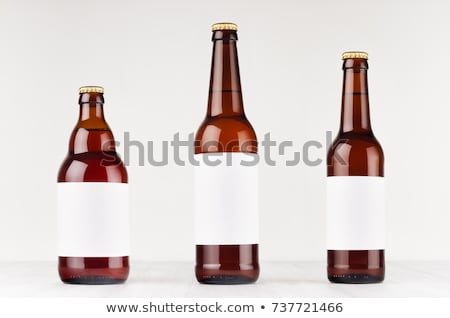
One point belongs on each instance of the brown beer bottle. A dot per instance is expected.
(355, 186)
(226, 213)
(93, 234)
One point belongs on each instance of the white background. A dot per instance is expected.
(153, 58)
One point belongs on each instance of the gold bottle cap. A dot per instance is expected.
(224, 26)
(91, 89)
(355, 55)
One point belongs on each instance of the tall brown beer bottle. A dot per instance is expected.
(93, 234)
(355, 186)
(226, 212)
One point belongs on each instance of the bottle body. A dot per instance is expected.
(92, 203)
(226, 210)
(355, 187)
(226, 213)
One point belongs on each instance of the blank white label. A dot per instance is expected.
(355, 213)
(93, 219)
(226, 199)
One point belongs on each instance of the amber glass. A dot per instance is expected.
(92, 158)
(226, 129)
(355, 152)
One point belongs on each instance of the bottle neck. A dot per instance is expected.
(91, 111)
(91, 133)
(355, 114)
(225, 96)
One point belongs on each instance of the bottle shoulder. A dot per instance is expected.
(227, 134)
(355, 155)
(238, 127)
(356, 141)
(93, 167)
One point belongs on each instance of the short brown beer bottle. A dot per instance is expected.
(93, 233)
(355, 186)
(226, 201)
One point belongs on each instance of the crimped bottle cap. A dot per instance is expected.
(224, 26)
(355, 55)
(91, 89)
